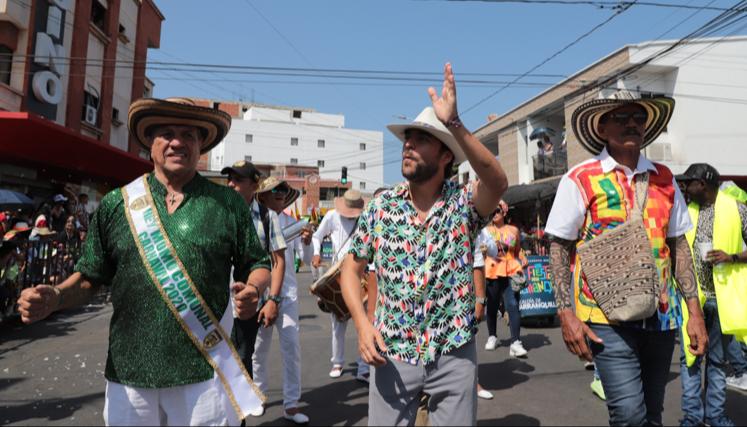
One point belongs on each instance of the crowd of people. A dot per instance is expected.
(40, 246)
(202, 274)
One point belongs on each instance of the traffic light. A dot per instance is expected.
(344, 176)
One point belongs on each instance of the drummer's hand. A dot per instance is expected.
(268, 314)
(245, 298)
(368, 341)
(306, 235)
(316, 261)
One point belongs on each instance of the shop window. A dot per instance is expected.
(98, 14)
(6, 62)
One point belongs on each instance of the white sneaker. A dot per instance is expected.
(484, 394)
(297, 418)
(492, 343)
(258, 412)
(739, 383)
(517, 349)
(336, 371)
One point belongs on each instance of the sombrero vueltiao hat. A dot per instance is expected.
(147, 112)
(271, 182)
(585, 119)
(428, 122)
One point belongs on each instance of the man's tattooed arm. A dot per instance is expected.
(682, 266)
(560, 267)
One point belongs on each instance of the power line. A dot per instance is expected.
(548, 59)
(600, 4)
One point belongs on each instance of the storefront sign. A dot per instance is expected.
(50, 60)
(537, 299)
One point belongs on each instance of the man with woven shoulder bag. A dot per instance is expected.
(618, 224)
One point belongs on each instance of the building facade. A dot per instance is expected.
(68, 73)
(301, 137)
(706, 77)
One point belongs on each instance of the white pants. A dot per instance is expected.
(290, 350)
(338, 346)
(194, 405)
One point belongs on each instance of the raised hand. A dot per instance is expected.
(445, 106)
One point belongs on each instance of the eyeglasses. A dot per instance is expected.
(622, 118)
(280, 190)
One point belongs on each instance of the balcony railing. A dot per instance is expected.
(552, 164)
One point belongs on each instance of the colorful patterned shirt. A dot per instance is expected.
(426, 302)
(596, 196)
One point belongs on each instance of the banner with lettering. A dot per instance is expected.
(537, 298)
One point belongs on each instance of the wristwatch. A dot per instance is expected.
(481, 300)
(735, 258)
(275, 298)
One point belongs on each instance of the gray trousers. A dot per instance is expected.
(450, 381)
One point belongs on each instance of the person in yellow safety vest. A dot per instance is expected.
(717, 243)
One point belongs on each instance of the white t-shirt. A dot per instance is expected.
(569, 211)
(338, 228)
(294, 247)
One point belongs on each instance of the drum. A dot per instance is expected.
(329, 292)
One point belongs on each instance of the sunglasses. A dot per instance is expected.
(622, 119)
(280, 190)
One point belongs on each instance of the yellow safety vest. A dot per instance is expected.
(729, 279)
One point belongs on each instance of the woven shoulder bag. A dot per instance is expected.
(619, 265)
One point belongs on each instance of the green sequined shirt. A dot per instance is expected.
(211, 232)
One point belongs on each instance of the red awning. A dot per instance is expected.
(34, 141)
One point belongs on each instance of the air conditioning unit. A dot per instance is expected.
(661, 151)
(91, 115)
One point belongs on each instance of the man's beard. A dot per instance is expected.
(423, 172)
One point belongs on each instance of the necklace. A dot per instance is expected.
(172, 198)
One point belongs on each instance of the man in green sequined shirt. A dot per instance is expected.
(152, 361)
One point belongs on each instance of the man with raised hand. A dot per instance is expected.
(420, 237)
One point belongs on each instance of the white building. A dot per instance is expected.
(304, 137)
(706, 77)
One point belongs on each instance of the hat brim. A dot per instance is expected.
(230, 170)
(345, 210)
(147, 112)
(446, 137)
(291, 197)
(683, 177)
(585, 120)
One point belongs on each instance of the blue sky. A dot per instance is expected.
(420, 35)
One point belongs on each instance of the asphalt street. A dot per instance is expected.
(51, 373)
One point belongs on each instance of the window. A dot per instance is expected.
(115, 117)
(362, 185)
(296, 114)
(6, 62)
(362, 146)
(294, 142)
(248, 158)
(363, 166)
(294, 161)
(90, 108)
(249, 138)
(320, 143)
(320, 163)
(98, 15)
